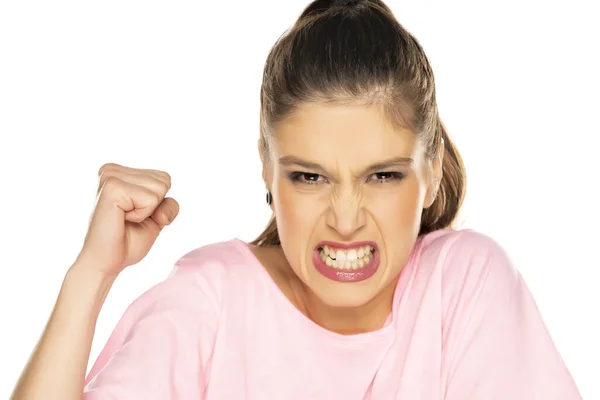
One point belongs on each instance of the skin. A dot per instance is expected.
(340, 198)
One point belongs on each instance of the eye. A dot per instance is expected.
(306, 178)
(385, 177)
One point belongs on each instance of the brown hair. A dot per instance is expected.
(357, 52)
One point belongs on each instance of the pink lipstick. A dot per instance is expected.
(346, 262)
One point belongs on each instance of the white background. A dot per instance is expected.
(175, 86)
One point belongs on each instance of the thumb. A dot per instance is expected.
(166, 212)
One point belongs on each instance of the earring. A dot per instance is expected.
(269, 198)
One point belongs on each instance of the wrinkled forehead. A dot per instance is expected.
(348, 136)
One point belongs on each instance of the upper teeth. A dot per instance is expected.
(347, 254)
(355, 258)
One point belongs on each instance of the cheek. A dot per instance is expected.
(297, 218)
(296, 212)
(401, 210)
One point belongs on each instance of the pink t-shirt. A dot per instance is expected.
(463, 326)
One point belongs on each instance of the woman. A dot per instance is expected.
(359, 288)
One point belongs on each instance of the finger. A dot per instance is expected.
(116, 169)
(148, 181)
(166, 212)
(108, 170)
(137, 202)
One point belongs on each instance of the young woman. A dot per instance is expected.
(359, 288)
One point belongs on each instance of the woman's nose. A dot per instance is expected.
(346, 215)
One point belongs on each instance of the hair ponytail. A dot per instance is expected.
(444, 210)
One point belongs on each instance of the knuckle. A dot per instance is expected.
(165, 175)
(106, 167)
(168, 178)
(164, 187)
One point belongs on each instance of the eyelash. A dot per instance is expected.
(300, 177)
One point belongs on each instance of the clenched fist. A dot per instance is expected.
(131, 210)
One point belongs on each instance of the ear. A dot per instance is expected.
(435, 179)
(267, 173)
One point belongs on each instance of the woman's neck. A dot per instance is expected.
(352, 320)
(345, 321)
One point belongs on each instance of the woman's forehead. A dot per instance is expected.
(346, 133)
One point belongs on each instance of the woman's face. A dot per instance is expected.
(348, 193)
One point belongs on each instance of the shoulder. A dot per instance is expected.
(468, 258)
(174, 315)
(494, 340)
(196, 279)
(216, 262)
(213, 256)
(455, 248)
(474, 278)
(448, 240)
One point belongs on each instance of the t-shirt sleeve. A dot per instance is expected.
(496, 345)
(160, 347)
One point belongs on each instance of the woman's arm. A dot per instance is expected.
(130, 212)
(56, 369)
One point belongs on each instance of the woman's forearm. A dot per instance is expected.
(57, 367)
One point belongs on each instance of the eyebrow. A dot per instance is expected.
(392, 162)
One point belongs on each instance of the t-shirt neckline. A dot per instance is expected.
(383, 333)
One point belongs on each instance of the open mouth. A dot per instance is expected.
(353, 258)
(346, 263)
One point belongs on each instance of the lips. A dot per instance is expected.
(346, 262)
